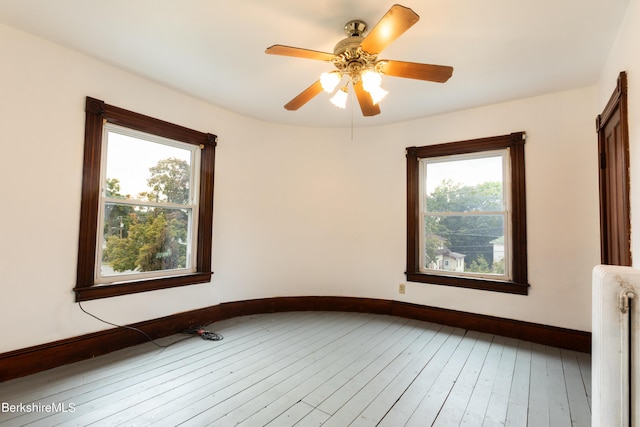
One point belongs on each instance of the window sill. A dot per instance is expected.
(87, 293)
(471, 283)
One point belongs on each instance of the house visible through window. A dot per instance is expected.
(466, 225)
(146, 205)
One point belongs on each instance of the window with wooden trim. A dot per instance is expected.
(466, 214)
(147, 204)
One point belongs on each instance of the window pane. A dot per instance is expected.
(465, 243)
(145, 170)
(467, 184)
(138, 239)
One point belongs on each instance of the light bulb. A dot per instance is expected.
(329, 81)
(340, 98)
(370, 80)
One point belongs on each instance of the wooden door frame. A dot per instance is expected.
(617, 102)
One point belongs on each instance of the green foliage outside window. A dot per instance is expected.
(470, 235)
(140, 238)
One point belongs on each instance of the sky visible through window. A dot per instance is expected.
(468, 171)
(129, 160)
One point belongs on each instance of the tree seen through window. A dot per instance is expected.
(140, 238)
(468, 236)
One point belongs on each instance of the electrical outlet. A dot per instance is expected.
(401, 288)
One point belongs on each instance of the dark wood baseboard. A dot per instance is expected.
(30, 360)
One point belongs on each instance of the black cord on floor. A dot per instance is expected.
(193, 330)
(204, 334)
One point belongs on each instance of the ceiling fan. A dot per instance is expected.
(356, 60)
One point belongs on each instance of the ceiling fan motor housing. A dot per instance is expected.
(350, 58)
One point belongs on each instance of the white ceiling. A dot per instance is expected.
(214, 50)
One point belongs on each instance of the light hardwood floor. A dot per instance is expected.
(310, 369)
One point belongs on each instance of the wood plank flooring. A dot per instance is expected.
(311, 369)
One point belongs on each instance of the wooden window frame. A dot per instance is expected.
(97, 114)
(519, 279)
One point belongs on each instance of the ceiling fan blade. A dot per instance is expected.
(393, 24)
(297, 52)
(304, 96)
(413, 70)
(364, 99)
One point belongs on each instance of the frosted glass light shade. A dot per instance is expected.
(340, 98)
(370, 80)
(377, 94)
(329, 81)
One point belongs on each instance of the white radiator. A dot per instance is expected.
(615, 356)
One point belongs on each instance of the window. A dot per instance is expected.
(466, 223)
(147, 204)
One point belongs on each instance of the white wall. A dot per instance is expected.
(624, 57)
(297, 211)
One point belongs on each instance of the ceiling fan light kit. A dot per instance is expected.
(330, 80)
(356, 58)
(340, 97)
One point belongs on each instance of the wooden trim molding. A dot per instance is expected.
(30, 360)
(614, 180)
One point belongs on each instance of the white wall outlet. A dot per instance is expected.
(401, 288)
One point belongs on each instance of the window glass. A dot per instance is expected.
(135, 158)
(464, 214)
(147, 210)
(464, 183)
